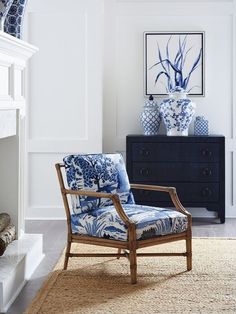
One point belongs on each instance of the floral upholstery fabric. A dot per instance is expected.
(150, 222)
(100, 173)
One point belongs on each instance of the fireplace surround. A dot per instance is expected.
(23, 255)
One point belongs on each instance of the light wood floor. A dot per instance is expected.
(54, 233)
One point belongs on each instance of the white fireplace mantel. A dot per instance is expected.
(23, 255)
(14, 54)
(22, 50)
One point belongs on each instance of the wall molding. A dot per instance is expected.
(173, 1)
(60, 146)
(139, 16)
(64, 95)
(46, 212)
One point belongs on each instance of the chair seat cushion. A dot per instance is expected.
(150, 222)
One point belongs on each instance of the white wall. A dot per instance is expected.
(126, 20)
(61, 68)
(65, 94)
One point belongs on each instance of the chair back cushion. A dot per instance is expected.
(100, 173)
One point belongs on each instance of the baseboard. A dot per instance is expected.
(46, 218)
(45, 212)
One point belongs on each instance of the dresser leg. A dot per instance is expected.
(222, 214)
(222, 220)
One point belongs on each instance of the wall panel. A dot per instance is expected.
(124, 97)
(65, 94)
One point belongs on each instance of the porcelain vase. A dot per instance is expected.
(14, 19)
(4, 8)
(177, 112)
(150, 117)
(201, 126)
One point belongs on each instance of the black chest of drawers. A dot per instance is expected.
(195, 165)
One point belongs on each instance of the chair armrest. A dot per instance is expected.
(87, 193)
(171, 190)
(151, 187)
(114, 197)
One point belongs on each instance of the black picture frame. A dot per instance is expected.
(174, 59)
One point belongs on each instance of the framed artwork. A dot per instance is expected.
(173, 61)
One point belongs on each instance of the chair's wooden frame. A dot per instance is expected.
(130, 246)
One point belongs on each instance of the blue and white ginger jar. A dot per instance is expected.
(4, 8)
(201, 126)
(150, 117)
(14, 19)
(177, 112)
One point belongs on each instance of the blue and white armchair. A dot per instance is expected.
(102, 211)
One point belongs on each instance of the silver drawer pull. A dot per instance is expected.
(206, 192)
(143, 152)
(207, 172)
(206, 152)
(144, 171)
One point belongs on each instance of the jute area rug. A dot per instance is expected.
(102, 285)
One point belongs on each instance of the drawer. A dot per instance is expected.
(194, 152)
(187, 192)
(175, 172)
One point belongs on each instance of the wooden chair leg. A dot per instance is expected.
(189, 253)
(133, 266)
(119, 252)
(67, 255)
